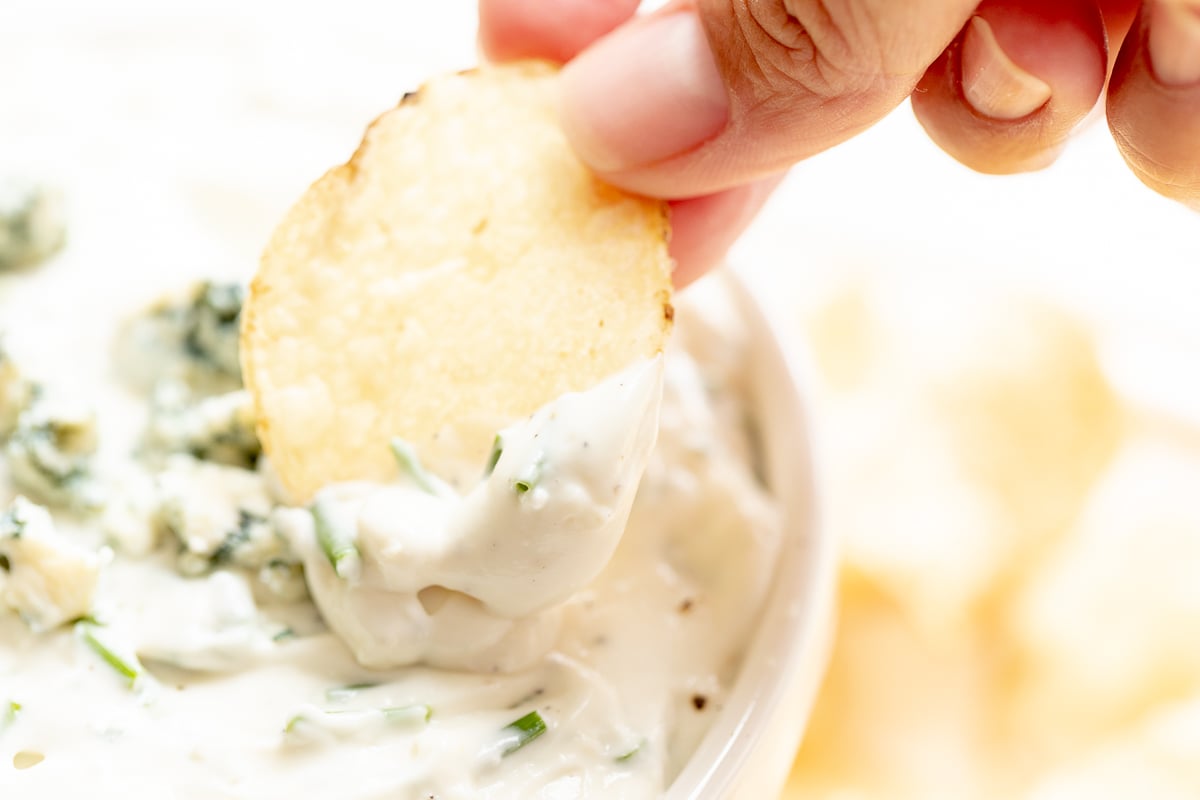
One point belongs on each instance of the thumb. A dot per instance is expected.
(709, 94)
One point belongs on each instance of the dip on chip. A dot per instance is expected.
(461, 270)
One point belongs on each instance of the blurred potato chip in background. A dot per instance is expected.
(1157, 759)
(1109, 623)
(974, 423)
(1020, 600)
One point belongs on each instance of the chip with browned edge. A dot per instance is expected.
(463, 269)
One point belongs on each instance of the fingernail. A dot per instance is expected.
(1174, 41)
(992, 83)
(644, 93)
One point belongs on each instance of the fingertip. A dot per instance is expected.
(1020, 77)
(556, 30)
(1153, 100)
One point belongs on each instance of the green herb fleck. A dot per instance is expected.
(523, 731)
(621, 759)
(340, 694)
(127, 667)
(285, 633)
(342, 723)
(529, 478)
(494, 456)
(406, 457)
(10, 714)
(336, 538)
(412, 713)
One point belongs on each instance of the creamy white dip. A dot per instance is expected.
(561, 630)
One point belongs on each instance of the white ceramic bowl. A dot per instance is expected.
(240, 172)
(747, 752)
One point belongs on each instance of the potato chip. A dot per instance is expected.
(965, 431)
(955, 459)
(899, 716)
(1159, 758)
(463, 269)
(1109, 622)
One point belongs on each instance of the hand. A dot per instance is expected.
(707, 102)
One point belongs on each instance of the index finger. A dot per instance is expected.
(551, 29)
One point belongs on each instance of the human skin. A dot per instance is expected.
(707, 102)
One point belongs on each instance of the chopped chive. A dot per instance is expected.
(412, 713)
(345, 722)
(529, 477)
(397, 714)
(336, 538)
(522, 732)
(127, 667)
(10, 714)
(338, 694)
(406, 457)
(286, 633)
(630, 753)
(494, 456)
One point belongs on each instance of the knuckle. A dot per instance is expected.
(805, 45)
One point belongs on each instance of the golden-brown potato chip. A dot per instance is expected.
(965, 429)
(1157, 758)
(1109, 622)
(460, 271)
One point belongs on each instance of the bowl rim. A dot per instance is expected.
(793, 640)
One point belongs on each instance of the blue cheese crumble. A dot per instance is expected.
(51, 449)
(219, 428)
(192, 338)
(32, 223)
(45, 577)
